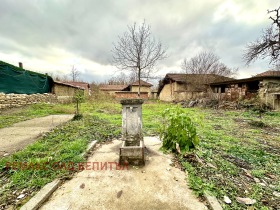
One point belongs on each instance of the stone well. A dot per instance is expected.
(132, 148)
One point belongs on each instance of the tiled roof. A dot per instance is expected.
(142, 83)
(189, 78)
(78, 84)
(112, 87)
(269, 73)
(258, 77)
(67, 84)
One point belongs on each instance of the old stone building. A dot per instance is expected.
(83, 85)
(128, 91)
(144, 87)
(177, 87)
(112, 89)
(64, 91)
(265, 85)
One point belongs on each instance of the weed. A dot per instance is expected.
(257, 123)
(178, 131)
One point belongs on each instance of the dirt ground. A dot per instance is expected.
(157, 185)
(21, 134)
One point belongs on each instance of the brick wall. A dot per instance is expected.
(17, 100)
(131, 95)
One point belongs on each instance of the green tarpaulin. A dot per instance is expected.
(17, 80)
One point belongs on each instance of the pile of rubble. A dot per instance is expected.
(210, 103)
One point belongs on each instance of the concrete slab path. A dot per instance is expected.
(157, 185)
(23, 133)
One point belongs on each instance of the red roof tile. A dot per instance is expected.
(269, 73)
(142, 83)
(112, 87)
(189, 78)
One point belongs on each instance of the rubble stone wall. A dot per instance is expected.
(17, 100)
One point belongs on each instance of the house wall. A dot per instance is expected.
(268, 92)
(233, 92)
(166, 93)
(87, 92)
(269, 88)
(142, 89)
(131, 95)
(179, 92)
(179, 87)
(153, 95)
(182, 96)
(110, 92)
(64, 93)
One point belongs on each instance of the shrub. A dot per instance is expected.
(78, 99)
(178, 132)
(77, 117)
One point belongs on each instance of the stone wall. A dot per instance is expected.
(233, 92)
(269, 92)
(131, 95)
(17, 100)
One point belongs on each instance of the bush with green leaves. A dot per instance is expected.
(178, 131)
(78, 99)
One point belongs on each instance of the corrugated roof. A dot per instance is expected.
(142, 83)
(112, 87)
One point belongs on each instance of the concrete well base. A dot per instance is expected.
(132, 155)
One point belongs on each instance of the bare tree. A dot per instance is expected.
(206, 66)
(74, 74)
(120, 79)
(268, 45)
(138, 51)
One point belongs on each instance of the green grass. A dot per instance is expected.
(64, 144)
(228, 141)
(102, 121)
(9, 117)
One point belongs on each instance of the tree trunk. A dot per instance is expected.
(139, 83)
(77, 107)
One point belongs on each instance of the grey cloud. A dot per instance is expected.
(88, 28)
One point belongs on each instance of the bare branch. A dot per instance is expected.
(137, 51)
(74, 74)
(268, 45)
(206, 65)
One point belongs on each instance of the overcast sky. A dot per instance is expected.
(52, 35)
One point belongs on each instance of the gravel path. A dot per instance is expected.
(23, 133)
(155, 186)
